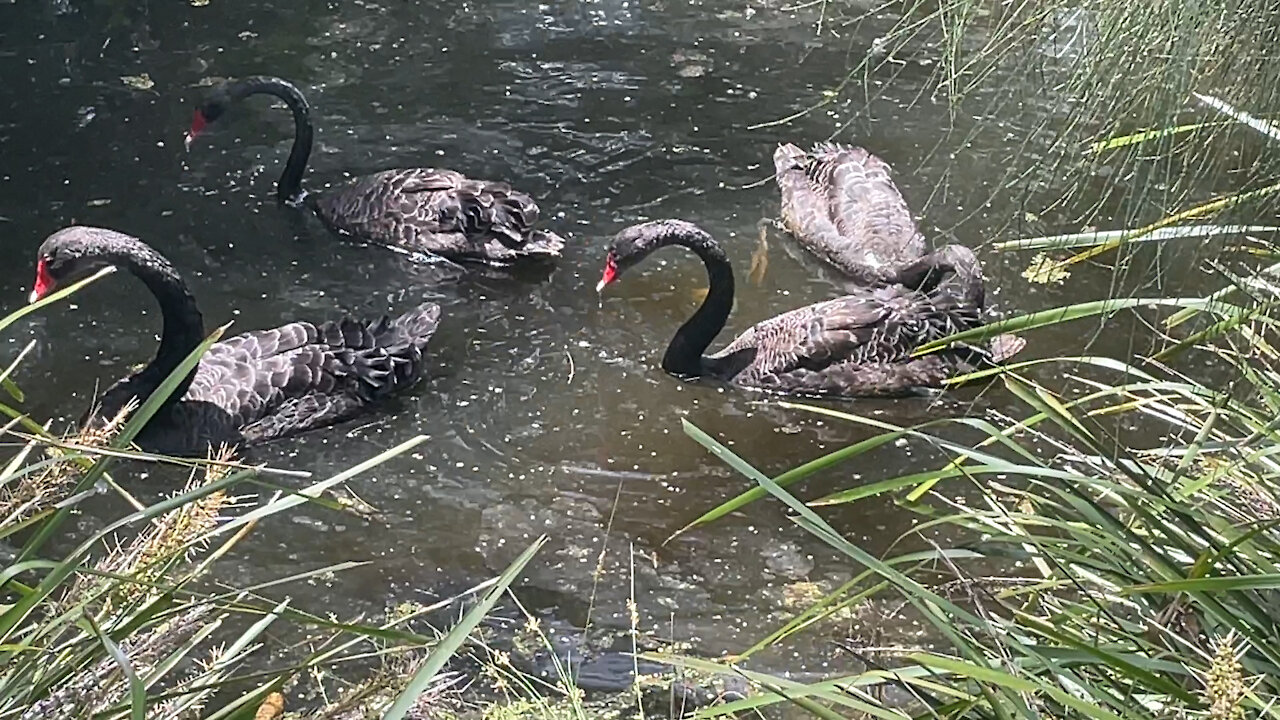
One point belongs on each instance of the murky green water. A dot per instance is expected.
(548, 412)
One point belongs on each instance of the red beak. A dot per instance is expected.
(44, 284)
(610, 274)
(198, 124)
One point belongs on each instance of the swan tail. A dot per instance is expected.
(386, 354)
(415, 327)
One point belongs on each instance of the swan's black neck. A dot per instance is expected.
(289, 188)
(684, 354)
(183, 327)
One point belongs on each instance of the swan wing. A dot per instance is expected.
(824, 333)
(441, 212)
(860, 344)
(298, 376)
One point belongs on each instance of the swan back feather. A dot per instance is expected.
(840, 202)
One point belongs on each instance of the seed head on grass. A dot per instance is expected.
(170, 540)
(1224, 681)
(195, 690)
(39, 491)
(1247, 498)
(373, 697)
(102, 685)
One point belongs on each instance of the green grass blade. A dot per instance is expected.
(1138, 138)
(137, 691)
(820, 528)
(791, 476)
(1269, 581)
(53, 297)
(986, 675)
(1267, 129)
(1213, 206)
(289, 501)
(1055, 316)
(1101, 237)
(786, 690)
(450, 643)
(1183, 316)
(1045, 403)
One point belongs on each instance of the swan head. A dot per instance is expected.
(213, 106)
(631, 246)
(220, 95)
(73, 253)
(951, 271)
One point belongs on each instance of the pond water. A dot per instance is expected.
(547, 412)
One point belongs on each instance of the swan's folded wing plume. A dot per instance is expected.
(865, 202)
(300, 376)
(442, 212)
(858, 344)
(842, 204)
(805, 209)
(265, 343)
(851, 328)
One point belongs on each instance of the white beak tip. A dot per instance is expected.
(32, 297)
(600, 287)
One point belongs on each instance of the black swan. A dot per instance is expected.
(840, 204)
(249, 388)
(854, 346)
(416, 210)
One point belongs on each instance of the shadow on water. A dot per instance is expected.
(546, 411)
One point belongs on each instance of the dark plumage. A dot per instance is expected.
(840, 203)
(249, 388)
(417, 210)
(857, 345)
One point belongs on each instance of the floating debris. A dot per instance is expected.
(691, 63)
(138, 82)
(760, 258)
(1045, 270)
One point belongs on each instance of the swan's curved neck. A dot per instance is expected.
(289, 188)
(951, 273)
(183, 328)
(684, 354)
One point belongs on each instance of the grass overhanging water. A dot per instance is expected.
(130, 622)
(1082, 573)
